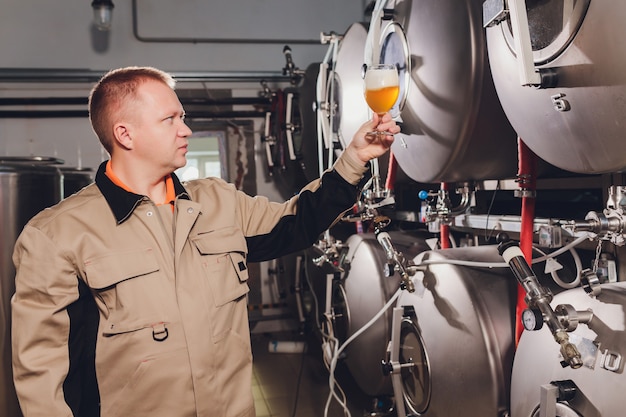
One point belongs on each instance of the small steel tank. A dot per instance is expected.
(458, 333)
(576, 121)
(27, 186)
(453, 126)
(594, 390)
(74, 179)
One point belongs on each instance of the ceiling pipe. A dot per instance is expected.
(67, 75)
(83, 114)
(212, 40)
(190, 101)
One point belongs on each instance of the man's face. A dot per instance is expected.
(159, 132)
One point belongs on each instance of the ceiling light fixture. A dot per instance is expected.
(102, 13)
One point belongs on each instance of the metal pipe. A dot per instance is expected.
(538, 297)
(50, 114)
(69, 75)
(211, 40)
(200, 101)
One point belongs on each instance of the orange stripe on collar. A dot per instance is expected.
(170, 193)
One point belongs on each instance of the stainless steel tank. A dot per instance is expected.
(597, 388)
(342, 94)
(459, 336)
(367, 289)
(74, 179)
(340, 103)
(352, 110)
(27, 186)
(307, 97)
(578, 123)
(453, 126)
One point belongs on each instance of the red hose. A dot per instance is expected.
(392, 168)
(444, 229)
(527, 177)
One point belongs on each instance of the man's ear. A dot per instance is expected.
(122, 135)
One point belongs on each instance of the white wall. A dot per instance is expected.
(46, 35)
(69, 139)
(58, 34)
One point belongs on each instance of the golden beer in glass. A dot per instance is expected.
(381, 88)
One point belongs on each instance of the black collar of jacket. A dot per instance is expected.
(122, 202)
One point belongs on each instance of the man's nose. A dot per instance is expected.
(184, 129)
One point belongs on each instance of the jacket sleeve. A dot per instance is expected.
(46, 285)
(273, 230)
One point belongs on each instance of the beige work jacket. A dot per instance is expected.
(115, 315)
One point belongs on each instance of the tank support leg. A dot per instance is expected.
(548, 399)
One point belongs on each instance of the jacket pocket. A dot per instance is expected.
(158, 385)
(121, 282)
(223, 254)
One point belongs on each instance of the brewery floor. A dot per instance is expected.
(293, 384)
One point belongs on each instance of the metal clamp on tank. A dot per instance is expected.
(396, 259)
(439, 208)
(538, 299)
(611, 223)
(331, 252)
(374, 196)
(570, 317)
(268, 138)
(290, 69)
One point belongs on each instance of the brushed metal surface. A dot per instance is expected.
(352, 110)
(580, 41)
(537, 361)
(453, 126)
(464, 316)
(367, 290)
(26, 188)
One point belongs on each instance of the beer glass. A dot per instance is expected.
(381, 88)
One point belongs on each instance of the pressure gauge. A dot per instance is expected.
(532, 319)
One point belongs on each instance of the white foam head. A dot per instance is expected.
(383, 77)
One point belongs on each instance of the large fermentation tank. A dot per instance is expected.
(578, 123)
(341, 100)
(27, 186)
(459, 336)
(453, 126)
(596, 388)
(366, 289)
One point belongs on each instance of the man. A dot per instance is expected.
(131, 295)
